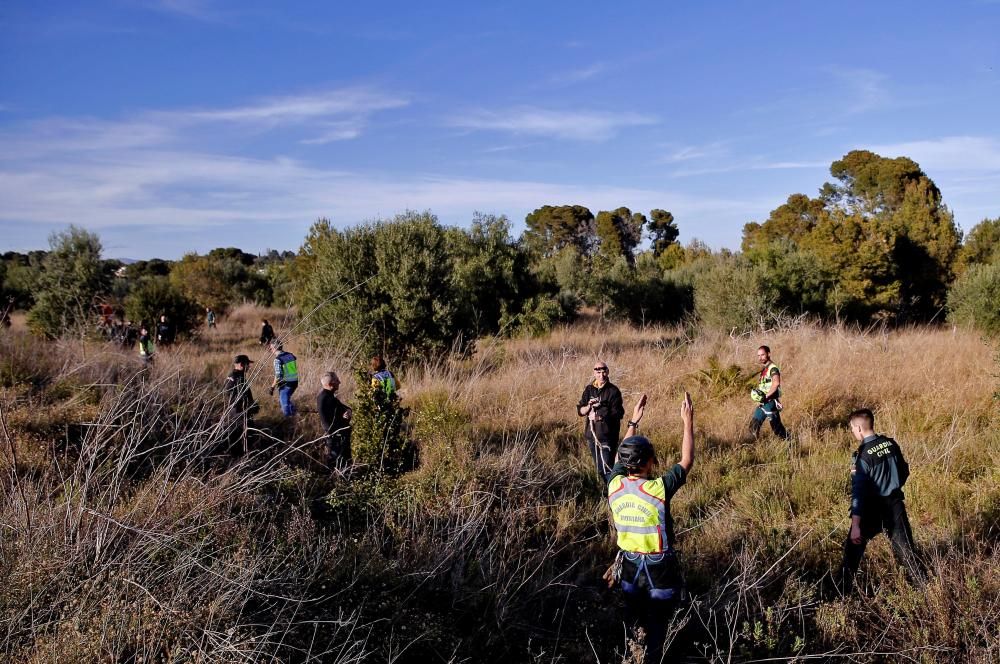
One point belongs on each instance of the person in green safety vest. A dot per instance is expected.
(286, 377)
(766, 395)
(647, 566)
(383, 382)
(146, 346)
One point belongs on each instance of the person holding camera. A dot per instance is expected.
(601, 404)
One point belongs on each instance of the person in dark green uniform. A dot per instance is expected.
(878, 473)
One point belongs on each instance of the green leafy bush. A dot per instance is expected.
(378, 435)
(974, 299)
(153, 297)
(409, 287)
(72, 275)
(733, 295)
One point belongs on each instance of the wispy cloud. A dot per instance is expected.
(300, 108)
(580, 74)
(749, 165)
(951, 153)
(680, 153)
(202, 10)
(571, 125)
(861, 90)
(323, 117)
(118, 179)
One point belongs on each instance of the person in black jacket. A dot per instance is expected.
(266, 333)
(601, 404)
(336, 420)
(878, 473)
(240, 405)
(164, 332)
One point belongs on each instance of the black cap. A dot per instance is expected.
(635, 451)
(242, 359)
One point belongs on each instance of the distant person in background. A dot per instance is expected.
(210, 318)
(128, 335)
(336, 420)
(286, 377)
(147, 349)
(5, 313)
(383, 382)
(164, 331)
(601, 404)
(766, 396)
(240, 405)
(266, 333)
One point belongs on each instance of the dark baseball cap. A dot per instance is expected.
(242, 359)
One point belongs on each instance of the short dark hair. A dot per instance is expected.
(377, 363)
(766, 349)
(863, 414)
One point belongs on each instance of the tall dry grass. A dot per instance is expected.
(124, 540)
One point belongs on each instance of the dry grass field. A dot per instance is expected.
(125, 540)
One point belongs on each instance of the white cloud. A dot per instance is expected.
(202, 10)
(951, 153)
(194, 190)
(680, 153)
(572, 125)
(333, 115)
(298, 109)
(863, 89)
(581, 74)
(748, 165)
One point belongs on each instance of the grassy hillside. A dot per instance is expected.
(125, 540)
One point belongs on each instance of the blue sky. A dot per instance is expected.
(170, 126)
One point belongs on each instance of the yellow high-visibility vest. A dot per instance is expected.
(639, 510)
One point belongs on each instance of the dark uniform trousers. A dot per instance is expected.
(888, 515)
(651, 587)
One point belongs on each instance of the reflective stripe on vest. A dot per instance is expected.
(639, 510)
(289, 368)
(764, 384)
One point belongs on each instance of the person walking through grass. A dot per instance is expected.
(601, 404)
(286, 377)
(266, 333)
(766, 395)
(336, 420)
(240, 405)
(210, 318)
(147, 349)
(384, 384)
(165, 331)
(647, 565)
(878, 473)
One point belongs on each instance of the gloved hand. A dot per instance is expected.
(759, 394)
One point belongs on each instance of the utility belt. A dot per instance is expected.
(655, 574)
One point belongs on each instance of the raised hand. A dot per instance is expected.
(687, 407)
(640, 409)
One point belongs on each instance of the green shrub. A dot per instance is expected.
(378, 435)
(153, 297)
(974, 299)
(733, 295)
(410, 287)
(72, 275)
